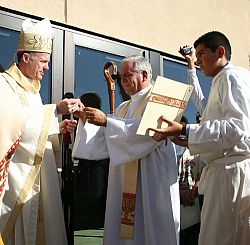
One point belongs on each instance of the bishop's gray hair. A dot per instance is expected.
(140, 64)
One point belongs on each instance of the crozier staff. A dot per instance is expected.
(110, 83)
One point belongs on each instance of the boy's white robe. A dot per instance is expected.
(223, 142)
(157, 204)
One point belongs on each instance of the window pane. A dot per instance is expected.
(89, 75)
(8, 46)
(178, 72)
(46, 85)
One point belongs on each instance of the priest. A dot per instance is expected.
(143, 195)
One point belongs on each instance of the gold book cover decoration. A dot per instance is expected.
(168, 98)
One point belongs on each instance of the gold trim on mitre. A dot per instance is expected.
(35, 38)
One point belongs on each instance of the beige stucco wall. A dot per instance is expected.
(159, 24)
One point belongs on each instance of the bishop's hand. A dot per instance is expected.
(67, 126)
(80, 113)
(67, 106)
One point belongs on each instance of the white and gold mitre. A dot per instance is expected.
(37, 37)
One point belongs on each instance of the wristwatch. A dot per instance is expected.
(183, 130)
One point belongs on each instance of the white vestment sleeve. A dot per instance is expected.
(90, 141)
(124, 144)
(197, 95)
(54, 126)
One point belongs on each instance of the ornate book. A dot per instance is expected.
(168, 98)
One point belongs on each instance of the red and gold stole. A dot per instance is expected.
(130, 178)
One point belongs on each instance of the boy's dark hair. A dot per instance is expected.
(91, 99)
(213, 40)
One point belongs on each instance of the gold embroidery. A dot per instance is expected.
(165, 100)
(34, 42)
(39, 42)
(128, 208)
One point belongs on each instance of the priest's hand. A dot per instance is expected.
(67, 106)
(173, 129)
(95, 116)
(67, 126)
(80, 113)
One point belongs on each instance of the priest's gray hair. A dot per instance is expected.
(140, 64)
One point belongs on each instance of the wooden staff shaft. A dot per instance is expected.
(110, 83)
